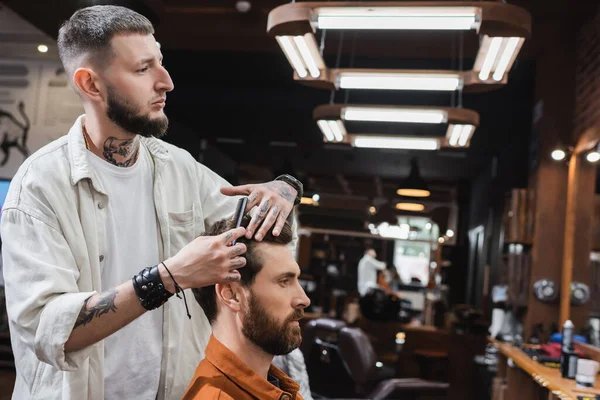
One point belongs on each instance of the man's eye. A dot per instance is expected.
(143, 69)
(284, 282)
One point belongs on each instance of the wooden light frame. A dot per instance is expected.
(500, 26)
(454, 117)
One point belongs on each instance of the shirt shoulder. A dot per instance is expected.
(46, 173)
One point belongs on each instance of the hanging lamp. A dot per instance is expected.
(502, 29)
(414, 185)
(461, 123)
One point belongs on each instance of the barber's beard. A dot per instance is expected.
(125, 115)
(264, 331)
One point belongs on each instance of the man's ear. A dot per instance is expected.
(228, 294)
(87, 82)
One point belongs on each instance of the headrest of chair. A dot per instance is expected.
(357, 352)
(325, 329)
(333, 325)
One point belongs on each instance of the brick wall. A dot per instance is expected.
(587, 81)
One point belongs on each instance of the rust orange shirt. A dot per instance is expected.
(221, 375)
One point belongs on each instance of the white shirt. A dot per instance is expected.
(53, 228)
(132, 355)
(367, 273)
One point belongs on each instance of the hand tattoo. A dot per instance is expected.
(264, 207)
(104, 304)
(283, 189)
(125, 150)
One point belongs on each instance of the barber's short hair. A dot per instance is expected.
(206, 296)
(87, 34)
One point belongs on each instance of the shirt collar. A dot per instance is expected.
(80, 166)
(245, 377)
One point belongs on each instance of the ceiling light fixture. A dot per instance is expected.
(42, 48)
(303, 54)
(380, 114)
(496, 56)
(399, 80)
(394, 142)
(333, 130)
(401, 18)
(459, 135)
(414, 185)
(410, 206)
(462, 122)
(501, 27)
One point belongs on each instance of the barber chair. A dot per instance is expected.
(377, 305)
(342, 363)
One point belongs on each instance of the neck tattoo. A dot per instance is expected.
(119, 152)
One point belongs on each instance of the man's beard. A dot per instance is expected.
(122, 113)
(265, 332)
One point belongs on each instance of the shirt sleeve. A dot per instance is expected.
(42, 297)
(378, 265)
(217, 206)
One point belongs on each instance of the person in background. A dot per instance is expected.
(367, 271)
(252, 321)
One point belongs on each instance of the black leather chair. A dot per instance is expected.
(341, 362)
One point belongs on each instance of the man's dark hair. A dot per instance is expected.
(87, 34)
(206, 296)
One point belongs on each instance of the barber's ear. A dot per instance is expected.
(229, 295)
(88, 84)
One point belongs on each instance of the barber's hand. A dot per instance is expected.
(275, 201)
(206, 260)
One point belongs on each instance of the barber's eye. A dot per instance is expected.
(143, 69)
(284, 282)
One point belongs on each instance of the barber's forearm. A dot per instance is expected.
(103, 314)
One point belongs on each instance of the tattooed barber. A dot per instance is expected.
(111, 201)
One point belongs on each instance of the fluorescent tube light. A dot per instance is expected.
(338, 130)
(490, 58)
(304, 44)
(325, 128)
(438, 18)
(465, 135)
(394, 115)
(391, 142)
(399, 81)
(459, 134)
(507, 58)
(453, 134)
(290, 52)
(463, 23)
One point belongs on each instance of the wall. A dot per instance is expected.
(36, 103)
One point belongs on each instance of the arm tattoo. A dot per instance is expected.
(121, 152)
(105, 303)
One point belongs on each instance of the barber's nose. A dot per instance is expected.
(165, 82)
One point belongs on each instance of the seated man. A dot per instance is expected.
(252, 320)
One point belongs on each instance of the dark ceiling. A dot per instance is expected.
(234, 88)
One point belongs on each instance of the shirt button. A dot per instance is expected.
(101, 205)
(285, 397)
(101, 258)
